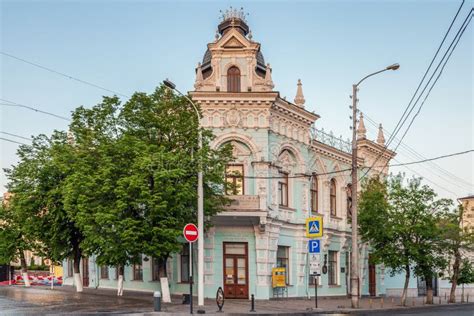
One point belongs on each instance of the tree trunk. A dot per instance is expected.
(429, 290)
(405, 286)
(120, 280)
(24, 269)
(454, 279)
(77, 271)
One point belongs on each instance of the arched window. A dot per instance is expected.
(349, 201)
(233, 79)
(332, 195)
(314, 194)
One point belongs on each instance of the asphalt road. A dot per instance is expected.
(446, 310)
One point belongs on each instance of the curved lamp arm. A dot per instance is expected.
(391, 67)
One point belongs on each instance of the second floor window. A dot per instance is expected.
(283, 189)
(233, 79)
(314, 194)
(349, 201)
(332, 195)
(234, 178)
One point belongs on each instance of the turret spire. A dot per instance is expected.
(380, 137)
(299, 99)
(361, 131)
(199, 78)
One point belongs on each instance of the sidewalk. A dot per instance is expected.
(64, 300)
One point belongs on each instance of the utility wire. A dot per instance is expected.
(404, 118)
(64, 75)
(14, 104)
(398, 126)
(436, 80)
(349, 169)
(14, 135)
(12, 141)
(444, 174)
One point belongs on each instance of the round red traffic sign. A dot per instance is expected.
(190, 232)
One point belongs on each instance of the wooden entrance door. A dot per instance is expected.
(236, 272)
(372, 280)
(85, 272)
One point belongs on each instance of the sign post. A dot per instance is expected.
(190, 233)
(314, 228)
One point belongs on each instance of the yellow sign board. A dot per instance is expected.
(314, 227)
(278, 277)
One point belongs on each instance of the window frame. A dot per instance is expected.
(314, 194)
(333, 197)
(234, 179)
(283, 188)
(332, 267)
(137, 268)
(104, 276)
(286, 259)
(233, 79)
(184, 254)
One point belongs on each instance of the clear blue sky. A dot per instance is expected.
(130, 46)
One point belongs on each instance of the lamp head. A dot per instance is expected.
(169, 84)
(393, 67)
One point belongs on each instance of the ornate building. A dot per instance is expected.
(285, 170)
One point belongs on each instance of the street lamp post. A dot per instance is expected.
(200, 190)
(355, 249)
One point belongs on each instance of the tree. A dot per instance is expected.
(36, 184)
(134, 181)
(399, 223)
(455, 241)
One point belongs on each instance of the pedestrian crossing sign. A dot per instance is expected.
(314, 227)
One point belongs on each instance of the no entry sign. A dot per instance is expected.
(190, 232)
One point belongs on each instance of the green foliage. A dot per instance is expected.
(466, 273)
(400, 223)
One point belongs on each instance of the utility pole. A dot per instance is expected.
(355, 280)
(355, 247)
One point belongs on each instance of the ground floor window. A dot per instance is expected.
(137, 272)
(70, 268)
(184, 263)
(104, 272)
(332, 267)
(283, 261)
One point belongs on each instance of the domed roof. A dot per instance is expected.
(261, 61)
(206, 60)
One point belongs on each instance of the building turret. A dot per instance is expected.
(299, 98)
(361, 131)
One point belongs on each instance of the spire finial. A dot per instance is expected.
(199, 77)
(380, 137)
(361, 131)
(299, 99)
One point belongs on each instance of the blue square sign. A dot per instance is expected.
(314, 246)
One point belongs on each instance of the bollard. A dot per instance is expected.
(445, 296)
(381, 302)
(467, 298)
(439, 300)
(157, 301)
(252, 306)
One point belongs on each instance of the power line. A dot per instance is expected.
(436, 80)
(64, 75)
(14, 135)
(450, 177)
(435, 158)
(404, 118)
(398, 126)
(14, 104)
(12, 141)
(349, 169)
